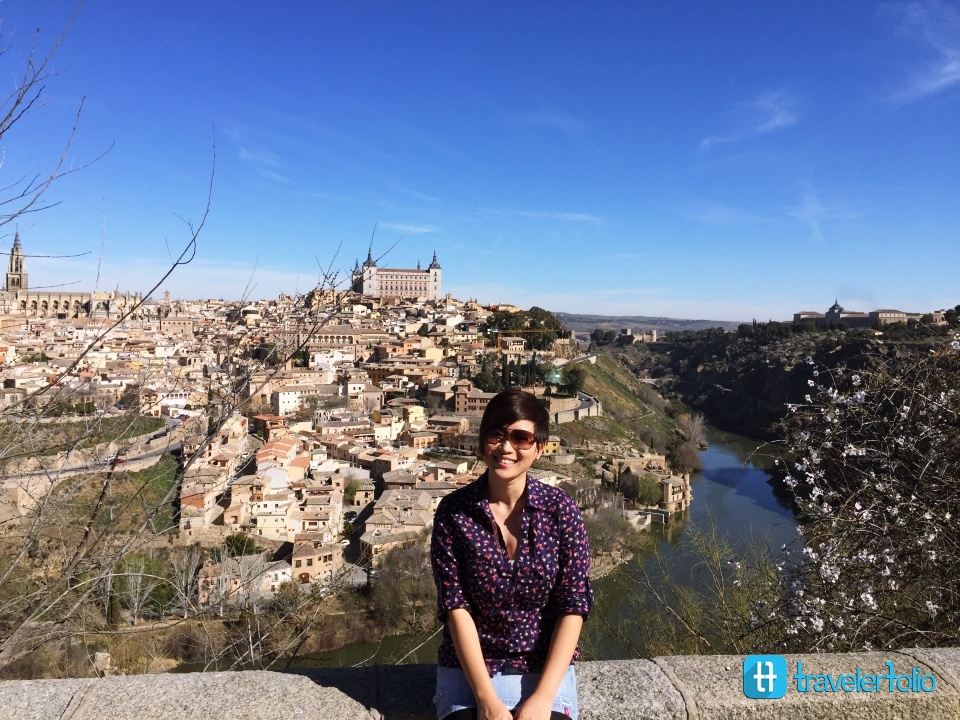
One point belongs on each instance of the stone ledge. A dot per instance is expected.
(669, 688)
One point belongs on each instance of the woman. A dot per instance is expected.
(511, 561)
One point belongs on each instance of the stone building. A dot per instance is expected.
(373, 281)
(18, 300)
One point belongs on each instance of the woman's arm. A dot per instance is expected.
(566, 634)
(463, 630)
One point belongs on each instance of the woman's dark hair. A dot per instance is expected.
(509, 406)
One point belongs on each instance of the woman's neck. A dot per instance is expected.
(507, 494)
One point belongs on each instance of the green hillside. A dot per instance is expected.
(633, 411)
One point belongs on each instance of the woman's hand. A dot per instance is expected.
(492, 708)
(535, 707)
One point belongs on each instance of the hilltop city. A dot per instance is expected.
(330, 424)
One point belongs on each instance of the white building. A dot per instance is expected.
(381, 282)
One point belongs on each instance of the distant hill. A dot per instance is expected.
(587, 323)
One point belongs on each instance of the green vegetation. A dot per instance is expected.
(530, 320)
(119, 500)
(609, 530)
(636, 407)
(61, 434)
(743, 381)
(872, 465)
(238, 544)
(404, 597)
(712, 600)
(574, 377)
(635, 414)
(350, 491)
(644, 489)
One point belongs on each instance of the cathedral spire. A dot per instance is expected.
(16, 268)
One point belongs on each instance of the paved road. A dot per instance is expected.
(354, 575)
(98, 466)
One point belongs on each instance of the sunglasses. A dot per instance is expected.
(519, 439)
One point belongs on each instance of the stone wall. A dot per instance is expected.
(667, 688)
(583, 406)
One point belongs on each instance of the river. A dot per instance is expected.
(731, 492)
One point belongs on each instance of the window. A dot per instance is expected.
(309, 562)
(297, 564)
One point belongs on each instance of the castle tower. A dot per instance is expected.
(371, 283)
(433, 292)
(16, 269)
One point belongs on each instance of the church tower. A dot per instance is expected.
(16, 269)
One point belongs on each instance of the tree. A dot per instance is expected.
(603, 337)
(74, 545)
(713, 600)
(693, 427)
(139, 577)
(487, 382)
(608, 529)
(184, 564)
(404, 595)
(26, 195)
(650, 491)
(876, 475)
(239, 544)
(873, 466)
(350, 490)
(574, 377)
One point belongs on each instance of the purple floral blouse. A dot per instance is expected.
(515, 605)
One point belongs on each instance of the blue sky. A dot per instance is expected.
(730, 160)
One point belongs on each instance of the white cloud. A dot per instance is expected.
(768, 112)
(413, 193)
(811, 213)
(938, 26)
(555, 119)
(265, 163)
(564, 216)
(260, 157)
(275, 176)
(714, 213)
(408, 229)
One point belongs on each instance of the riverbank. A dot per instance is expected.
(603, 565)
